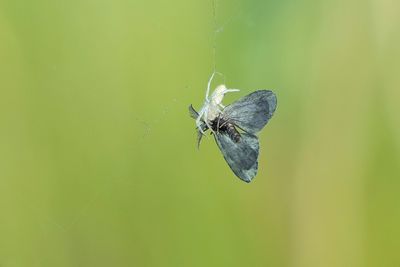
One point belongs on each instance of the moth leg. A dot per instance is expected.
(224, 123)
(219, 117)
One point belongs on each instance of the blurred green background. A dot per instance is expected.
(98, 158)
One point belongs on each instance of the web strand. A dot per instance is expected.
(214, 2)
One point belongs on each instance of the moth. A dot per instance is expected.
(235, 126)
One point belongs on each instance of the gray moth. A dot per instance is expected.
(235, 126)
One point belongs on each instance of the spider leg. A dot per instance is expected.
(198, 125)
(209, 85)
(231, 90)
(198, 120)
(208, 125)
(225, 122)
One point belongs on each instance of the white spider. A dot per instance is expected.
(212, 107)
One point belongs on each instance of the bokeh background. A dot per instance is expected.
(98, 158)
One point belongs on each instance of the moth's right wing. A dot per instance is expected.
(242, 157)
(252, 112)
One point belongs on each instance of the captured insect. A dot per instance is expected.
(234, 127)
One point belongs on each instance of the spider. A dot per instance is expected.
(213, 107)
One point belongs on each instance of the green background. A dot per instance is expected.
(98, 158)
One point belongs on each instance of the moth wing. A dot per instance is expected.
(199, 136)
(252, 112)
(193, 114)
(242, 157)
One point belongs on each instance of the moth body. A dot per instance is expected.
(221, 125)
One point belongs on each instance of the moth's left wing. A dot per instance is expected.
(193, 114)
(252, 112)
(242, 157)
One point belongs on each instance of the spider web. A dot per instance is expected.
(149, 128)
(148, 125)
